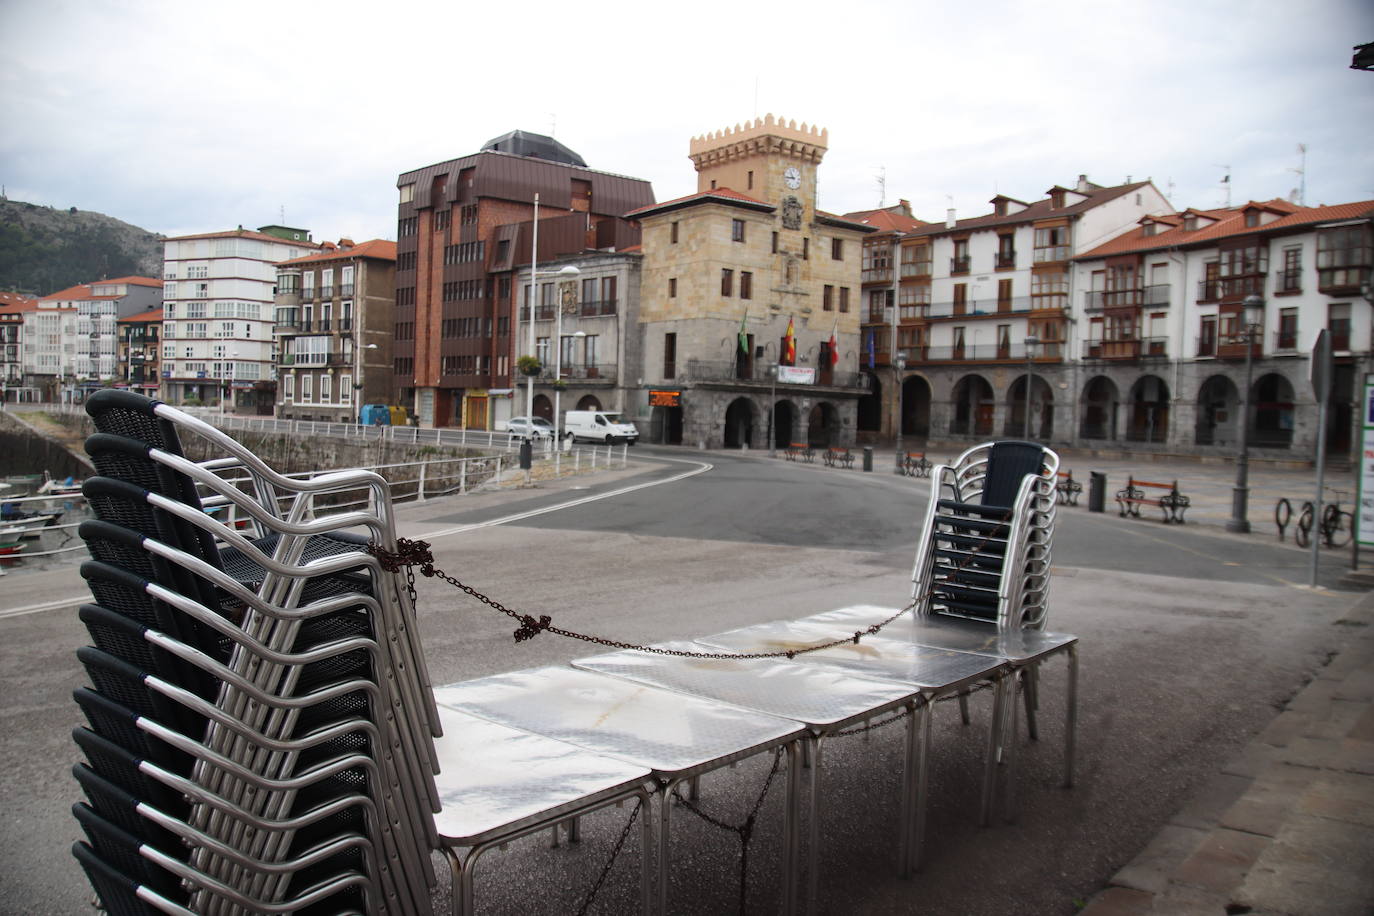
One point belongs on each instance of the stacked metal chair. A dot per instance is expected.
(984, 553)
(260, 722)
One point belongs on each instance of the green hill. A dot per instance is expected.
(44, 249)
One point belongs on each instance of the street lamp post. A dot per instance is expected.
(359, 385)
(901, 406)
(233, 360)
(1031, 341)
(1253, 319)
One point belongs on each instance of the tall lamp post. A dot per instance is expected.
(1252, 318)
(358, 364)
(901, 407)
(567, 297)
(1031, 341)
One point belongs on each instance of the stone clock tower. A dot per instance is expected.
(769, 159)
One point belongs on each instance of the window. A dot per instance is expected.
(1051, 244)
(1251, 218)
(308, 284)
(346, 281)
(746, 285)
(915, 260)
(960, 298)
(837, 249)
(749, 181)
(727, 282)
(674, 233)
(959, 264)
(1207, 336)
(1338, 325)
(589, 346)
(737, 229)
(1004, 295)
(669, 355)
(326, 384)
(565, 352)
(407, 193)
(844, 298)
(1006, 252)
(1345, 255)
(672, 287)
(806, 249)
(1288, 330)
(828, 298)
(307, 383)
(201, 290)
(541, 350)
(775, 243)
(608, 295)
(1289, 279)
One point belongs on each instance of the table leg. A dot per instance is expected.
(994, 751)
(918, 839)
(1071, 716)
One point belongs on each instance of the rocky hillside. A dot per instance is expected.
(43, 249)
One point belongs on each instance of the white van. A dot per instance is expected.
(599, 425)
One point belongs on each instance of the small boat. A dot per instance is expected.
(11, 548)
(28, 524)
(51, 487)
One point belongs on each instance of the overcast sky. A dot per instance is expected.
(189, 117)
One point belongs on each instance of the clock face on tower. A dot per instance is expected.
(792, 177)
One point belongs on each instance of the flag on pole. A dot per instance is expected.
(834, 346)
(743, 336)
(790, 344)
(872, 350)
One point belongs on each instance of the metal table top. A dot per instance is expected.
(1015, 645)
(821, 696)
(496, 780)
(934, 670)
(672, 734)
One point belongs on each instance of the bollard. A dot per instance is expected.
(868, 457)
(1097, 491)
(526, 455)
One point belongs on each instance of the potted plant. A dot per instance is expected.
(529, 365)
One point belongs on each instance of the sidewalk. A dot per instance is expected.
(1288, 826)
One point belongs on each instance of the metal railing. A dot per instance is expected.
(1157, 296)
(760, 373)
(973, 307)
(1135, 348)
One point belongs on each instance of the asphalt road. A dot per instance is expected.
(1190, 642)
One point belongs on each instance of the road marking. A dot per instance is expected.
(700, 468)
(45, 606)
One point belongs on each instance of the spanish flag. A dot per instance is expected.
(790, 344)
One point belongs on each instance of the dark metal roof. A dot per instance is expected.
(536, 146)
(507, 176)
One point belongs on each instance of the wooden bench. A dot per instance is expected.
(1068, 489)
(837, 457)
(801, 450)
(913, 464)
(1171, 502)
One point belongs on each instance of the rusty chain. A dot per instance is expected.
(412, 554)
(610, 861)
(744, 830)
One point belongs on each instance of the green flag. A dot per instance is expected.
(744, 337)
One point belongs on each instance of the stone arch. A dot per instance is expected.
(870, 406)
(739, 423)
(543, 407)
(1149, 410)
(974, 407)
(823, 425)
(1272, 412)
(1098, 407)
(784, 423)
(915, 407)
(1218, 412)
(589, 402)
(1041, 408)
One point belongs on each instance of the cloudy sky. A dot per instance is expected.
(190, 117)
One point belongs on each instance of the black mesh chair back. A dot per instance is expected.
(1009, 463)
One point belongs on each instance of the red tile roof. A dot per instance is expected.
(722, 195)
(154, 314)
(134, 281)
(1041, 209)
(885, 220)
(13, 301)
(241, 234)
(80, 291)
(375, 248)
(1230, 223)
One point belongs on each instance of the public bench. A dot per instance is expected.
(913, 464)
(837, 457)
(802, 450)
(1164, 495)
(1067, 488)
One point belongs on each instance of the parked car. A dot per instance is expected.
(526, 428)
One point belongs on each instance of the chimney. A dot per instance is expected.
(949, 218)
(1082, 186)
(345, 244)
(327, 246)
(905, 207)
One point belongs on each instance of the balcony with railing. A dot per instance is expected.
(593, 307)
(1288, 282)
(1006, 260)
(1286, 340)
(1044, 352)
(981, 307)
(876, 275)
(759, 373)
(960, 264)
(1157, 296)
(326, 292)
(915, 269)
(1127, 349)
(1051, 253)
(345, 289)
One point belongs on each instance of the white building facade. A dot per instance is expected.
(218, 315)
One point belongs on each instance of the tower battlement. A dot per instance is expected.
(761, 135)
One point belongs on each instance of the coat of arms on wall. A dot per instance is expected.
(791, 213)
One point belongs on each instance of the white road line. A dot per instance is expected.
(46, 606)
(701, 468)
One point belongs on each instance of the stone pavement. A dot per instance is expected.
(1285, 828)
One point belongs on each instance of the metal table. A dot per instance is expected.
(824, 698)
(934, 672)
(675, 736)
(497, 784)
(1021, 649)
